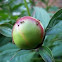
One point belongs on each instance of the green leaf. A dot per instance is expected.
(6, 30)
(9, 50)
(4, 21)
(3, 15)
(55, 19)
(27, 57)
(8, 46)
(53, 40)
(4, 40)
(57, 51)
(58, 60)
(51, 14)
(56, 29)
(42, 15)
(53, 8)
(46, 54)
(0, 0)
(37, 60)
(17, 6)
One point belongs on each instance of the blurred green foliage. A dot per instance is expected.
(10, 11)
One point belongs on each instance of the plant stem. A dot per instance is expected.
(27, 8)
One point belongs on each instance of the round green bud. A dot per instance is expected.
(27, 32)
